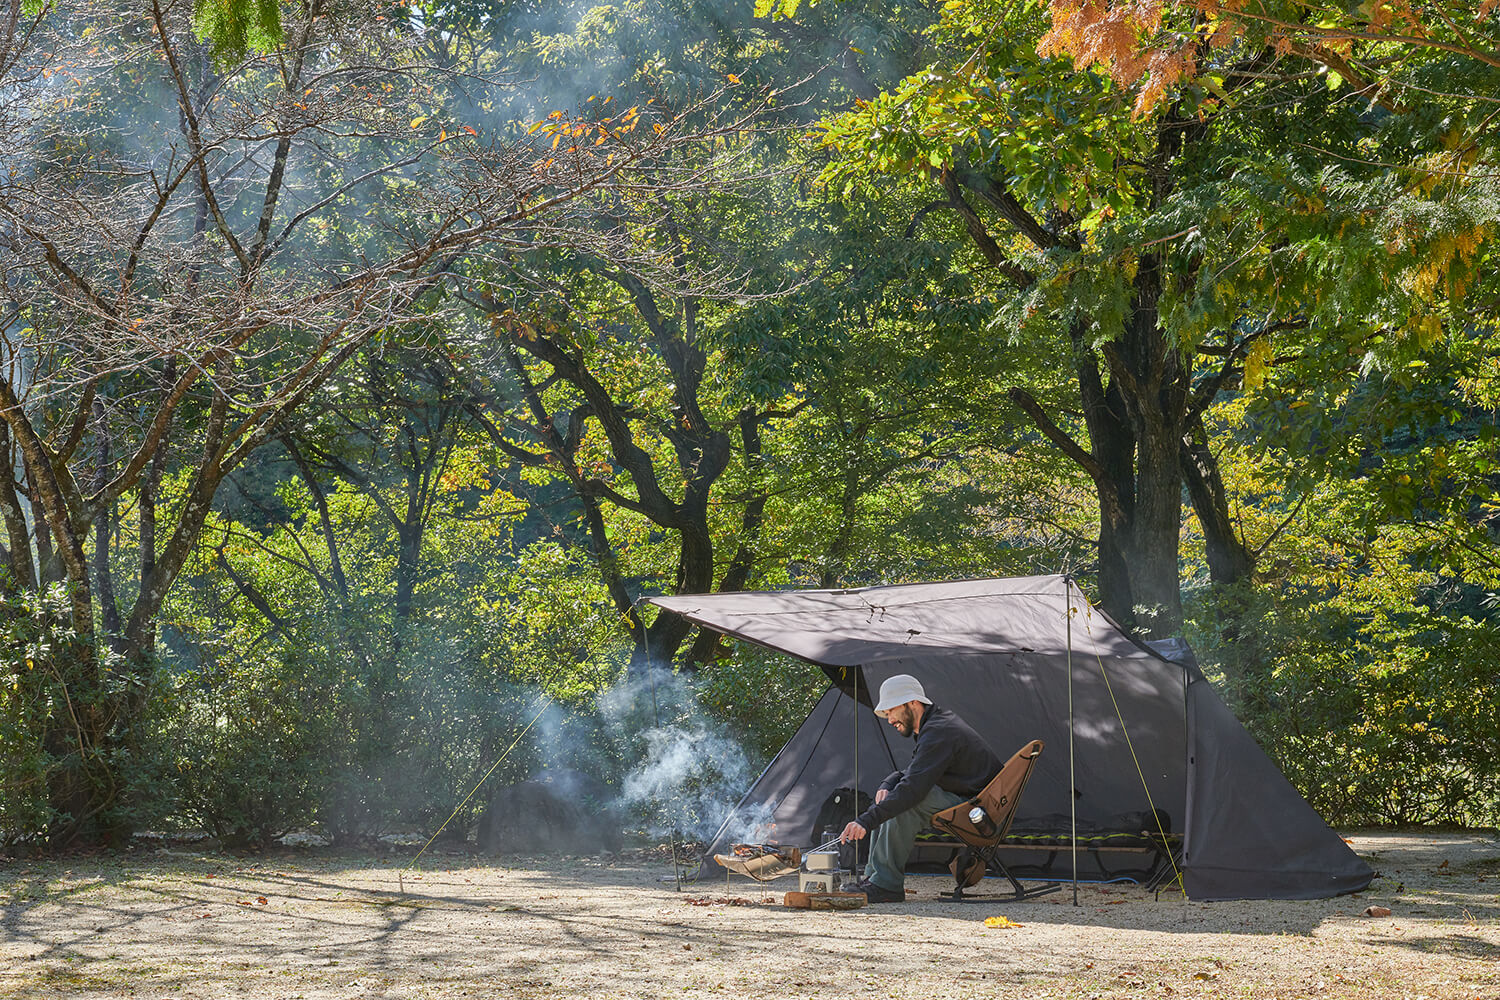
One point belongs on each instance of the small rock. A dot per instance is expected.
(1377, 911)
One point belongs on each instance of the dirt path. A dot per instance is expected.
(183, 925)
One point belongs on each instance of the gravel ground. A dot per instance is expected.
(315, 925)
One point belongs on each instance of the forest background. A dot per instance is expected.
(365, 364)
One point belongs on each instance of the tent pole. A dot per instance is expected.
(1187, 755)
(1072, 777)
(854, 865)
(855, 798)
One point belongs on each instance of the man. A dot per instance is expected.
(950, 764)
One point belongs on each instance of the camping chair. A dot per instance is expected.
(983, 833)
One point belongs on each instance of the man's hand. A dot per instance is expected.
(881, 794)
(852, 832)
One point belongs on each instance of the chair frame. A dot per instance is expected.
(999, 799)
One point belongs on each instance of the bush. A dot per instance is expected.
(1377, 718)
(245, 740)
(80, 748)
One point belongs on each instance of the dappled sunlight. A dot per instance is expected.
(585, 925)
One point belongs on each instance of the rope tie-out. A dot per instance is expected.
(401, 875)
(1130, 745)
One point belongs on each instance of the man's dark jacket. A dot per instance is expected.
(949, 754)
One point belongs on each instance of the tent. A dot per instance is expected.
(1134, 738)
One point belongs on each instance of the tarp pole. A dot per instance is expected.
(1072, 775)
(854, 803)
(1187, 774)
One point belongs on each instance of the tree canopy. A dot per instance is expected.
(364, 367)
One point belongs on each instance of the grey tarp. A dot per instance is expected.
(1141, 735)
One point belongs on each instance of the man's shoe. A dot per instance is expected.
(879, 894)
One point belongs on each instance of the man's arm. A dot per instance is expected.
(932, 757)
(853, 830)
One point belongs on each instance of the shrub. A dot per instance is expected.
(245, 740)
(1378, 717)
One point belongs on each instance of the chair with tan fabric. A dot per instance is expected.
(982, 823)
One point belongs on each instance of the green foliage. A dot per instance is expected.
(354, 658)
(247, 737)
(761, 696)
(1379, 716)
(29, 634)
(234, 27)
(368, 720)
(81, 752)
(1362, 656)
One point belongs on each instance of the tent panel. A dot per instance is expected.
(1250, 834)
(1014, 698)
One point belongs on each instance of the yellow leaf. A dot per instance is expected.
(418, 121)
(1256, 360)
(1005, 922)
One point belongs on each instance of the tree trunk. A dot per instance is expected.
(1229, 559)
(22, 569)
(1154, 577)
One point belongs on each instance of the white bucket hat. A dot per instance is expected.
(899, 689)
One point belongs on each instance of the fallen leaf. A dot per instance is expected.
(262, 900)
(1005, 922)
(1205, 976)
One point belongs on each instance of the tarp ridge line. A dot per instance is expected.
(885, 607)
